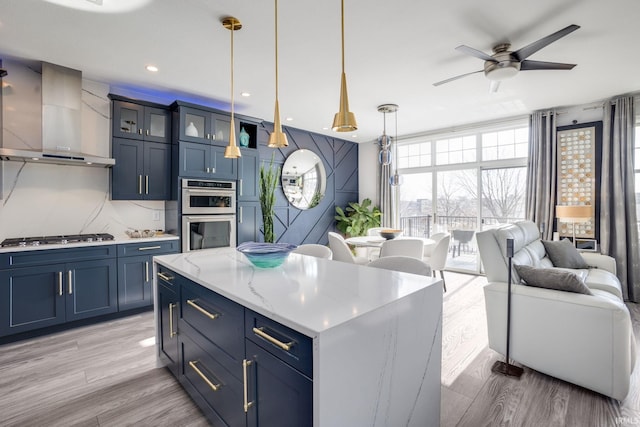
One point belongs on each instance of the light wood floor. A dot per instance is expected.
(106, 375)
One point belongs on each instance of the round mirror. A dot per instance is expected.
(304, 179)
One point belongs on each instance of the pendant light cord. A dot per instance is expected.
(396, 143)
(342, 14)
(276, 50)
(233, 28)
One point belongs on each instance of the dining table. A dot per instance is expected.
(377, 241)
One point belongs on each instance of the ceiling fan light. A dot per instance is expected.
(501, 70)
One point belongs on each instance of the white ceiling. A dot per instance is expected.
(395, 51)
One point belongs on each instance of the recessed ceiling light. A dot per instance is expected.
(152, 68)
(354, 136)
(325, 128)
(100, 6)
(245, 94)
(289, 119)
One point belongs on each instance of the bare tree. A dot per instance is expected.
(502, 191)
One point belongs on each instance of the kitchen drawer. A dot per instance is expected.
(52, 256)
(215, 317)
(148, 248)
(204, 373)
(273, 337)
(169, 278)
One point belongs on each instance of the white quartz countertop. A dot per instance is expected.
(117, 241)
(308, 294)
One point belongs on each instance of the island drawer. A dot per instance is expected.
(212, 382)
(290, 346)
(148, 248)
(215, 317)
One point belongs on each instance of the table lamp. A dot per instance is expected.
(576, 213)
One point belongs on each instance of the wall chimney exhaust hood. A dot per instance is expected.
(61, 123)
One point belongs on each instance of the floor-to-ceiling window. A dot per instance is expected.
(463, 181)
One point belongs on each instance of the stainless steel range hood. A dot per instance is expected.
(61, 123)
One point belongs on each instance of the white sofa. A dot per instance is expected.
(583, 339)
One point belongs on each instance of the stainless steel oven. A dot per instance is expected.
(208, 214)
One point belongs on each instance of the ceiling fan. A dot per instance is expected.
(504, 63)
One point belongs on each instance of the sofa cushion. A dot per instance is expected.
(604, 280)
(563, 254)
(552, 278)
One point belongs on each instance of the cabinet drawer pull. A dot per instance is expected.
(245, 387)
(70, 274)
(140, 131)
(139, 184)
(260, 332)
(240, 186)
(60, 283)
(193, 304)
(240, 215)
(165, 276)
(146, 271)
(214, 387)
(148, 248)
(146, 184)
(147, 132)
(172, 333)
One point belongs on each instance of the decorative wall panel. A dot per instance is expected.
(578, 175)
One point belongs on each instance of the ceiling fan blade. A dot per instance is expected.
(532, 48)
(542, 65)
(495, 85)
(475, 52)
(456, 78)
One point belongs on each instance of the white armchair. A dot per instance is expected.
(583, 339)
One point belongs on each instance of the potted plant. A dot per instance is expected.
(268, 182)
(357, 218)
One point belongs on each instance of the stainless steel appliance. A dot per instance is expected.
(56, 240)
(208, 214)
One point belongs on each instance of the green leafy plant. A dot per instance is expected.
(268, 182)
(357, 218)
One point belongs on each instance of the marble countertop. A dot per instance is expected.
(310, 295)
(120, 239)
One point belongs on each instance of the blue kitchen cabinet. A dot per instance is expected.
(240, 368)
(248, 169)
(249, 220)
(43, 292)
(140, 120)
(168, 291)
(135, 264)
(142, 170)
(204, 161)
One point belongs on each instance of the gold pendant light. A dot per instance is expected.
(232, 151)
(344, 120)
(277, 139)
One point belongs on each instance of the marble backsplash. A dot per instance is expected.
(45, 199)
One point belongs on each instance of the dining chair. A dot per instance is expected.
(438, 258)
(314, 249)
(436, 237)
(406, 264)
(404, 247)
(342, 252)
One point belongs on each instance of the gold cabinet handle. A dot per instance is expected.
(146, 271)
(148, 248)
(139, 184)
(60, 283)
(214, 387)
(164, 276)
(247, 404)
(146, 184)
(172, 333)
(70, 284)
(193, 304)
(261, 333)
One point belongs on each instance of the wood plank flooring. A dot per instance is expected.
(106, 375)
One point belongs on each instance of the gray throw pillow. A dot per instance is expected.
(551, 278)
(563, 254)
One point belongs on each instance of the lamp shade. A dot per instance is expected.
(574, 213)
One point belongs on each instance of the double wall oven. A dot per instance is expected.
(208, 214)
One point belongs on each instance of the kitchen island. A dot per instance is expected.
(363, 344)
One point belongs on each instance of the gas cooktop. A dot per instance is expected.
(56, 240)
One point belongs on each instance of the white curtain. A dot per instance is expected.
(541, 171)
(618, 222)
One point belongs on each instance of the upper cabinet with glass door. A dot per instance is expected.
(140, 120)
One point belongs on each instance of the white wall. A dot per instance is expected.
(42, 199)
